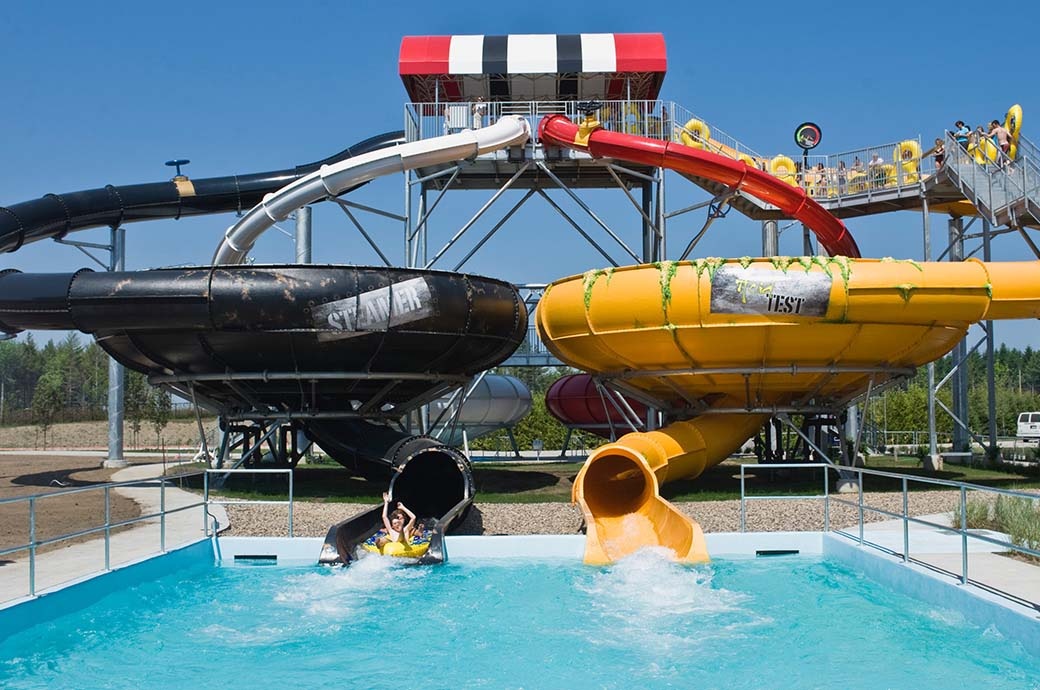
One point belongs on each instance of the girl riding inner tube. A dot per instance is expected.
(695, 134)
(415, 548)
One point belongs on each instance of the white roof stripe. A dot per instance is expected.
(466, 55)
(598, 53)
(531, 54)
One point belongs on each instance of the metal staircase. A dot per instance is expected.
(1005, 192)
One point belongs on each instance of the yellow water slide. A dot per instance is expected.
(723, 342)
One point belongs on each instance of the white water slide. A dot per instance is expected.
(333, 180)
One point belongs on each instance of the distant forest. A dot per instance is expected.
(68, 381)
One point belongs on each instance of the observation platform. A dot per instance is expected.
(847, 185)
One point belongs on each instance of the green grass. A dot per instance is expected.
(1017, 517)
(552, 482)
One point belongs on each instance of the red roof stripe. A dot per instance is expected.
(641, 53)
(424, 55)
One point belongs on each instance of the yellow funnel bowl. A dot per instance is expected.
(742, 337)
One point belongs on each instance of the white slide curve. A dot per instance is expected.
(333, 180)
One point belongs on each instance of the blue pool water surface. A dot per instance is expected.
(792, 622)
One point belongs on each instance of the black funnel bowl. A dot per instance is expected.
(284, 342)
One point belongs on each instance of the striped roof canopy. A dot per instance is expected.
(533, 67)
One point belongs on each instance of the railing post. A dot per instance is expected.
(290, 503)
(861, 477)
(743, 517)
(906, 523)
(162, 514)
(108, 529)
(964, 535)
(32, 546)
(205, 502)
(827, 499)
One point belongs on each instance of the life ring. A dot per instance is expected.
(751, 163)
(783, 167)
(417, 547)
(695, 134)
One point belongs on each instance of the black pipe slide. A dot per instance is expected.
(435, 481)
(55, 215)
(293, 341)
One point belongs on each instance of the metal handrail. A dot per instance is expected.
(248, 470)
(669, 121)
(863, 508)
(33, 544)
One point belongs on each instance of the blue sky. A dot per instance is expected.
(99, 94)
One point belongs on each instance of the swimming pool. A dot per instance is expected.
(797, 622)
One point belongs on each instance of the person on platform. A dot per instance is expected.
(961, 133)
(479, 111)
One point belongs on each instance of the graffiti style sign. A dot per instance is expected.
(768, 291)
(375, 310)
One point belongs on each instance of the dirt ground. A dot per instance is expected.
(179, 433)
(23, 475)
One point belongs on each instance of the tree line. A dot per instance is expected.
(67, 381)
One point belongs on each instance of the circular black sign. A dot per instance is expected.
(808, 135)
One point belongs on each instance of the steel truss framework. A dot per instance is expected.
(544, 177)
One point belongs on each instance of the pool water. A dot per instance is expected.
(791, 622)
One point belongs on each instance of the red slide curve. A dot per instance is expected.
(558, 130)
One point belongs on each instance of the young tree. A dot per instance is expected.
(135, 402)
(160, 407)
(47, 402)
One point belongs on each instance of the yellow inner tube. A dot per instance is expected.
(1013, 124)
(415, 549)
(695, 134)
(784, 168)
(907, 154)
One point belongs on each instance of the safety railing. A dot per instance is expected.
(244, 502)
(34, 543)
(862, 508)
(859, 174)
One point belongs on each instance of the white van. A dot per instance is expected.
(1028, 426)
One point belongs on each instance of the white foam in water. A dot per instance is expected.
(649, 593)
(639, 584)
(347, 590)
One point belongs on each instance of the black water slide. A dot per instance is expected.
(344, 351)
(55, 215)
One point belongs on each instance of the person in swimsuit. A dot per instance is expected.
(395, 528)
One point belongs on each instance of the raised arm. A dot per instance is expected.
(386, 518)
(411, 521)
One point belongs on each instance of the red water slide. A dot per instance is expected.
(558, 130)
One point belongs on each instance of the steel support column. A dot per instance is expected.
(116, 375)
(959, 382)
